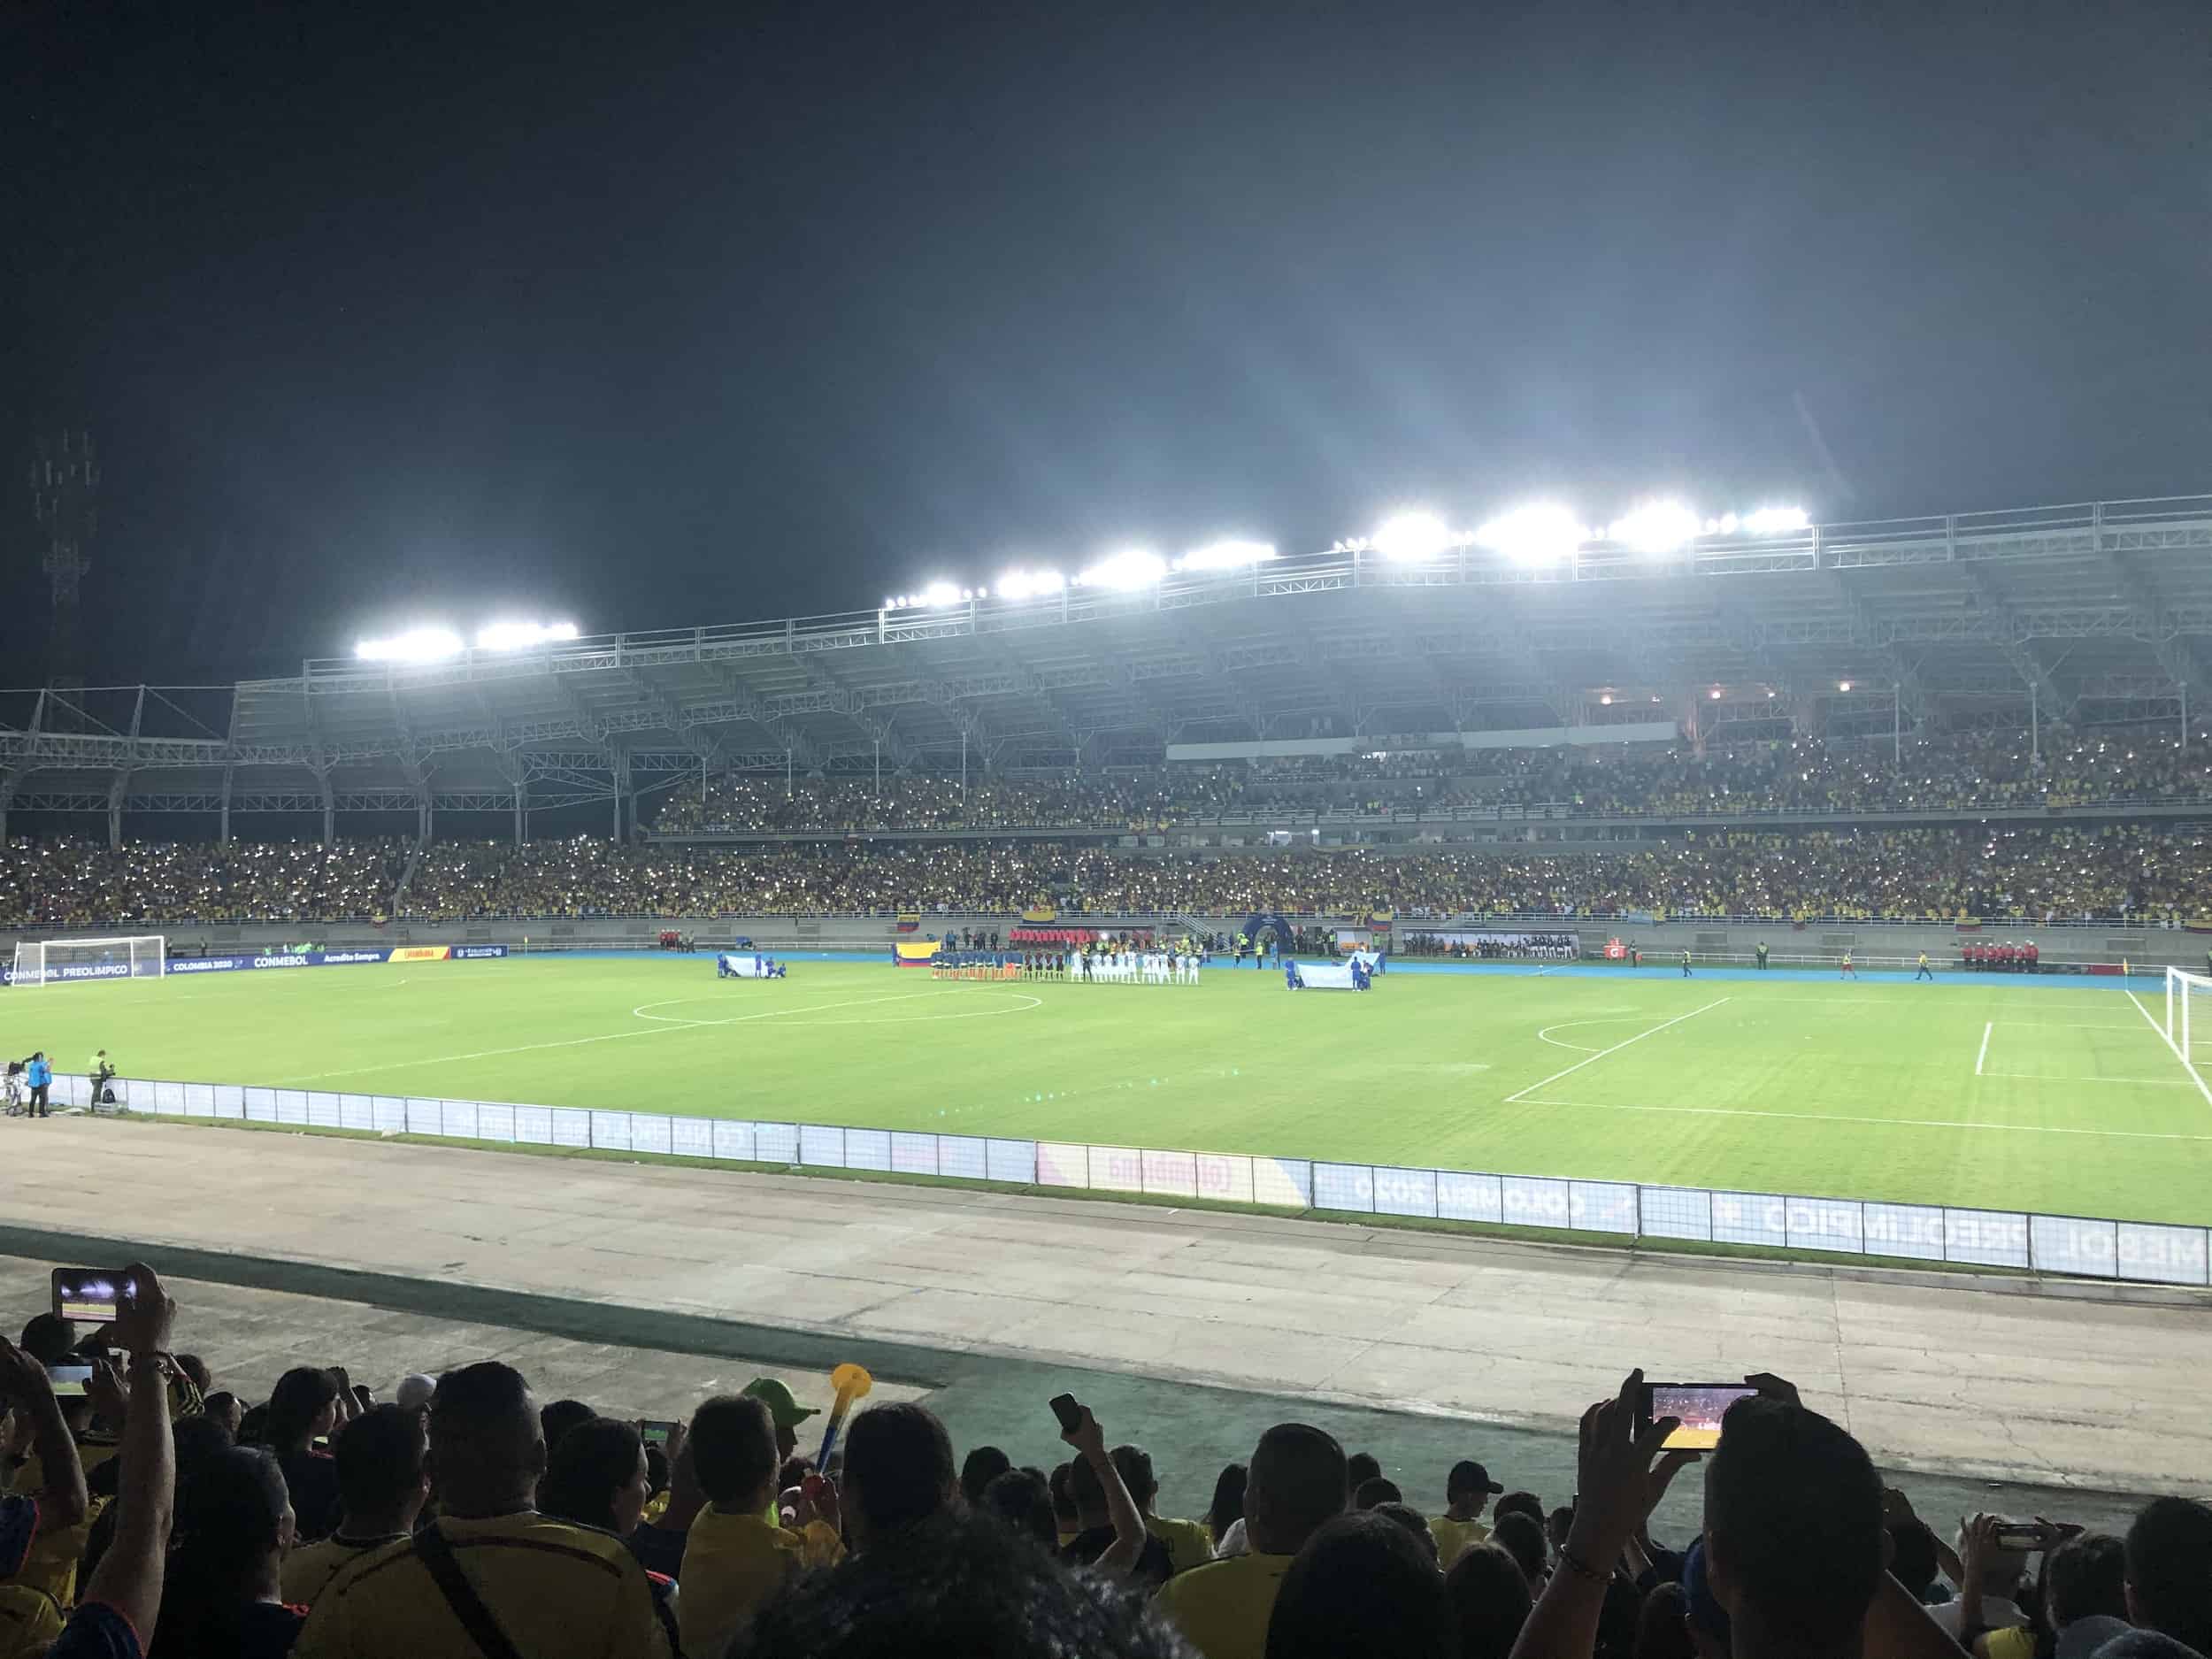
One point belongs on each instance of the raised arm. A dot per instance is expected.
(129, 1576)
(62, 1500)
(1089, 1440)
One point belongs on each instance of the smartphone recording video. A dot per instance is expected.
(1701, 1407)
(88, 1295)
(68, 1381)
(655, 1432)
(1071, 1414)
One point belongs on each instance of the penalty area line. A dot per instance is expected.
(1615, 1048)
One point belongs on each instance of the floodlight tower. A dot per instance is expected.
(66, 504)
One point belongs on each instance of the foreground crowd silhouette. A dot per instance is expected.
(465, 1520)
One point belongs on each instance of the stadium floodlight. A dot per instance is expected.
(1607, 699)
(1843, 685)
(417, 645)
(1409, 537)
(1124, 572)
(1029, 584)
(1714, 694)
(1655, 527)
(1225, 556)
(1542, 533)
(520, 636)
(1776, 521)
(938, 594)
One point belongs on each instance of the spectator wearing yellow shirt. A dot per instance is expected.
(382, 1487)
(1467, 1493)
(1188, 1544)
(54, 1509)
(734, 1559)
(553, 1589)
(1296, 1485)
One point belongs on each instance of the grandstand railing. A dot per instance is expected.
(1542, 812)
(2076, 1246)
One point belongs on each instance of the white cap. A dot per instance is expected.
(414, 1391)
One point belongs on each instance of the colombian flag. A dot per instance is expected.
(914, 953)
(909, 921)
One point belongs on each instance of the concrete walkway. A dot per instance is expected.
(2084, 1385)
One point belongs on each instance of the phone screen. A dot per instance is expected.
(1700, 1406)
(87, 1295)
(655, 1433)
(68, 1380)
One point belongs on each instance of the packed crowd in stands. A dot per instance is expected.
(2148, 874)
(160, 1513)
(2033, 874)
(79, 883)
(1808, 775)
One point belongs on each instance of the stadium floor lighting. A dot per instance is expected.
(520, 636)
(1777, 521)
(417, 645)
(1125, 571)
(1538, 534)
(1655, 527)
(1410, 536)
(1223, 556)
(1029, 584)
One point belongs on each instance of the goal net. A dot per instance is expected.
(76, 960)
(2189, 1015)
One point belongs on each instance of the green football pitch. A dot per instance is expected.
(1971, 1092)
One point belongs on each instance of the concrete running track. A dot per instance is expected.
(2042, 1382)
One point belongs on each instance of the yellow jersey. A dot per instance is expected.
(558, 1589)
(1223, 1608)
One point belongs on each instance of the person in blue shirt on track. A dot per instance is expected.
(40, 1077)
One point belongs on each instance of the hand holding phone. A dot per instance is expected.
(68, 1381)
(1078, 1427)
(88, 1295)
(1698, 1408)
(655, 1431)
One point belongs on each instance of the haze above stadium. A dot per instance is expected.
(393, 316)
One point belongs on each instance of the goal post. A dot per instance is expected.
(2188, 1014)
(80, 961)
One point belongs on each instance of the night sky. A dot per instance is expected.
(382, 313)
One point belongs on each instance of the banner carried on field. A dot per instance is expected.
(914, 953)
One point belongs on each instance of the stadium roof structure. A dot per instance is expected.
(2087, 613)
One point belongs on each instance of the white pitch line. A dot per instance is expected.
(2065, 1025)
(2054, 1077)
(1616, 1049)
(661, 1029)
(1988, 1027)
(2160, 1031)
(1569, 1025)
(1885, 1123)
